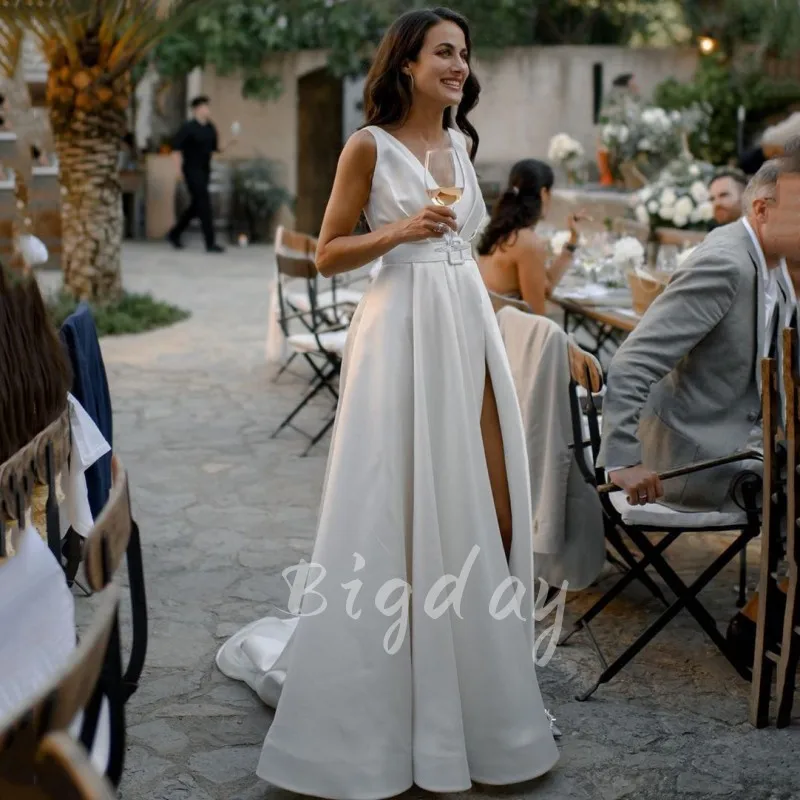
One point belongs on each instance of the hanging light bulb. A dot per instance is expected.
(707, 44)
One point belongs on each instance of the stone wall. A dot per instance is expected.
(531, 94)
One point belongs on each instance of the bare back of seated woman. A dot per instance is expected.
(514, 261)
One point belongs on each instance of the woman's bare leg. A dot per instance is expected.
(496, 462)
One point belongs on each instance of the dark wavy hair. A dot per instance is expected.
(520, 205)
(387, 91)
(35, 373)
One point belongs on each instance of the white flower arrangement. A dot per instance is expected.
(678, 198)
(650, 136)
(614, 136)
(628, 253)
(564, 149)
(567, 153)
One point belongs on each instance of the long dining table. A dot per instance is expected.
(599, 317)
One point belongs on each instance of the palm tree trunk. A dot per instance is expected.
(91, 216)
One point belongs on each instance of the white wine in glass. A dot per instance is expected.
(445, 195)
(444, 179)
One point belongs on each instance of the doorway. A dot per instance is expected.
(319, 132)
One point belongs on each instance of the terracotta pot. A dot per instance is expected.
(604, 165)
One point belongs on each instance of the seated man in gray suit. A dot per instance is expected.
(686, 385)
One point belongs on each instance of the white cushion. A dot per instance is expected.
(331, 341)
(301, 301)
(655, 515)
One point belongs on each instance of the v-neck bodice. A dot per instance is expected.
(398, 184)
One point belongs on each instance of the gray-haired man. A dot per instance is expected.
(686, 385)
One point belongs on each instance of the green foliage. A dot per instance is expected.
(133, 313)
(724, 89)
(239, 35)
(772, 25)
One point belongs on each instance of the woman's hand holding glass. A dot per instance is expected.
(432, 222)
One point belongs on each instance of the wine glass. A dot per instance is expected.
(667, 258)
(444, 180)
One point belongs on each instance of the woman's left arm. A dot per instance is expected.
(563, 261)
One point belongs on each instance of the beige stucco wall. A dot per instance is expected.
(529, 94)
(268, 129)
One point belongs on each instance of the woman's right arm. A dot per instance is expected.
(337, 249)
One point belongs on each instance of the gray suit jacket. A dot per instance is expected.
(686, 385)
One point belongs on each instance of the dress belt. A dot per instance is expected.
(429, 252)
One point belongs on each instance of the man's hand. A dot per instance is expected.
(639, 483)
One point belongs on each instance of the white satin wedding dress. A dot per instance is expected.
(363, 711)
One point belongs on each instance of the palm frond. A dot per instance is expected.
(11, 36)
(126, 30)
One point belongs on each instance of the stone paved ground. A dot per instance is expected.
(223, 508)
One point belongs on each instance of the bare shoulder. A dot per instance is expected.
(360, 151)
(528, 242)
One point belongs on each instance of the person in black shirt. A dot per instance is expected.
(197, 141)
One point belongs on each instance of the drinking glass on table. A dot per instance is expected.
(444, 180)
(667, 258)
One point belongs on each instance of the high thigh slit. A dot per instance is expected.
(494, 451)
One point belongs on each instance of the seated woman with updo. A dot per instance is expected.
(513, 260)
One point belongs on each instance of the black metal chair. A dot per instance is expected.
(321, 345)
(116, 535)
(298, 290)
(637, 524)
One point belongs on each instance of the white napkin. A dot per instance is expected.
(587, 292)
(88, 445)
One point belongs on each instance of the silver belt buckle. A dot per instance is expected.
(456, 255)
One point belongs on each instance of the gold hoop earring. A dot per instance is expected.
(411, 80)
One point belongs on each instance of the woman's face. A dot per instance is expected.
(441, 67)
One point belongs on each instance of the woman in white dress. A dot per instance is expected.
(381, 683)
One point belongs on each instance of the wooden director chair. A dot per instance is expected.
(35, 764)
(27, 472)
(777, 652)
(790, 641)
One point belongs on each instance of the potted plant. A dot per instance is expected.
(257, 198)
